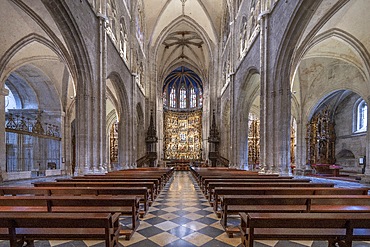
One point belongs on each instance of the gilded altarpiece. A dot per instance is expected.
(321, 139)
(254, 142)
(183, 135)
(113, 152)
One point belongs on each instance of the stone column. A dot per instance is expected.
(281, 163)
(301, 144)
(266, 104)
(3, 93)
(100, 115)
(275, 110)
(83, 131)
(133, 155)
(233, 123)
(67, 143)
(366, 177)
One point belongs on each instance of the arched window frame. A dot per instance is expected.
(182, 79)
(173, 98)
(200, 99)
(360, 116)
(182, 97)
(10, 100)
(193, 98)
(164, 98)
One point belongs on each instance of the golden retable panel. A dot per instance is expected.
(183, 135)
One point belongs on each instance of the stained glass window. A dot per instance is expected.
(182, 97)
(173, 97)
(164, 99)
(200, 98)
(193, 98)
(182, 90)
(362, 116)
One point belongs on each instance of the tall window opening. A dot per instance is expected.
(200, 99)
(361, 116)
(10, 102)
(173, 98)
(164, 97)
(182, 97)
(193, 98)
(182, 120)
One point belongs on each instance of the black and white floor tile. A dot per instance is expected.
(182, 217)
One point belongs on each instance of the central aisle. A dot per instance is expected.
(180, 216)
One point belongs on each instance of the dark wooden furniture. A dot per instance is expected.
(141, 192)
(222, 191)
(342, 228)
(149, 185)
(237, 185)
(18, 227)
(124, 205)
(206, 180)
(327, 169)
(234, 204)
(157, 181)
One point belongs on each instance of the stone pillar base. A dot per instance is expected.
(365, 179)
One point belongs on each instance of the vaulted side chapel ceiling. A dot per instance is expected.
(183, 32)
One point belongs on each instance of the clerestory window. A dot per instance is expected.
(182, 90)
(361, 123)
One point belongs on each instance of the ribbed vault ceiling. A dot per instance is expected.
(183, 32)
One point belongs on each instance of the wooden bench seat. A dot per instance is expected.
(18, 227)
(221, 191)
(124, 204)
(150, 174)
(229, 173)
(141, 192)
(342, 228)
(206, 180)
(149, 185)
(213, 185)
(158, 181)
(234, 204)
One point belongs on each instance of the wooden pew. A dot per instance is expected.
(149, 185)
(163, 175)
(206, 179)
(221, 191)
(133, 173)
(234, 204)
(141, 192)
(237, 174)
(229, 173)
(124, 204)
(21, 226)
(342, 228)
(157, 182)
(211, 186)
(254, 179)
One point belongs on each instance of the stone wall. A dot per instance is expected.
(349, 146)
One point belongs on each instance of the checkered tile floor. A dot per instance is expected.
(182, 217)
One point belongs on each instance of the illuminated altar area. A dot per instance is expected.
(183, 135)
(182, 125)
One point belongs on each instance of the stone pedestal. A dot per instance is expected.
(365, 179)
